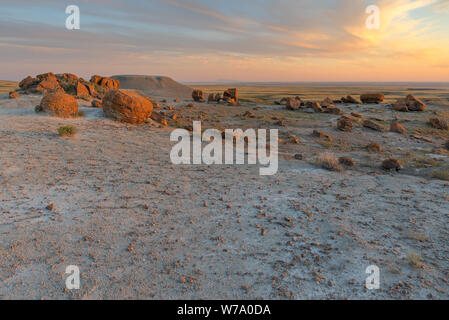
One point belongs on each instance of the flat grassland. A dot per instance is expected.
(269, 92)
(7, 86)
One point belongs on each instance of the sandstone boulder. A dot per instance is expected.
(13, 95)
(372, 98)
(346, 161)
(350, 99)
(350, 118)
(81, 90)
(97, 104)
(27, 83)
(391, 164)
(59, 104)
(198, 95)
(49, 76)
(373, 125)
(344, 124)
(90, 88)
(439, 123)
(414, 104)
(232, 94)
(292, 104)
(397, 127)
(212, 97)
(156, 116)
(48, 85)
(326, 102)
(127, 106)
(232, 102)
(374, 147)
(96, 79)
(400, 105)
(108, 83)
(316, 107)
(332, 109)
(67, 77)
(322, 135)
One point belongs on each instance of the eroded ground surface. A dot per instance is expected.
(139, 227)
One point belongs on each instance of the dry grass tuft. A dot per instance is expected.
(414, 259)
(328, 161)
(441, 175)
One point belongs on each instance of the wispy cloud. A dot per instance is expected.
(247, 40)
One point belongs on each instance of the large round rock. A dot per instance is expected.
(60, 104)
(127, 106)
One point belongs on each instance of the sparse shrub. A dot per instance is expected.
(421, 237)
(414, 259)
(100, 90)
(328, 161)
(38, 108)
(81, 114)
(67, 130)
(441, 175)
(69, 86)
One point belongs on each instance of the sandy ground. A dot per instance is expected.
(139, 227)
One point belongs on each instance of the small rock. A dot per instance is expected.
(316, 107)
(346, 161)
(373, 125)
(13, 95)
(372, 98)
(397, 127)
(439, 123)
(198, 95)
(374, 147)
(391, 164)
(322, 135)
(293, 104)
(97, 104)
(344, 124)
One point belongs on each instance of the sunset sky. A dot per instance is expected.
(209, 40)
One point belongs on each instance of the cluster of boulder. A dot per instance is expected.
(66, 83)
(409, 103)
(229, 96)
(60, 92)
(329, 103)
(121, 105)
(325, 106)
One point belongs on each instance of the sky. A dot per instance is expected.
(238, 40)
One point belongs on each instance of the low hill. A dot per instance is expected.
(157, 86)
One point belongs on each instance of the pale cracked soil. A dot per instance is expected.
(139, 227)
